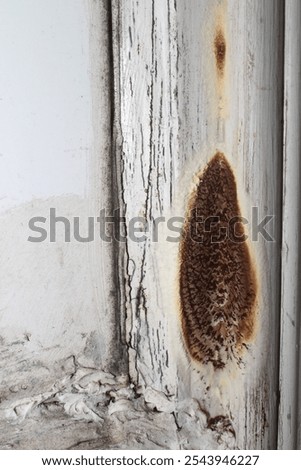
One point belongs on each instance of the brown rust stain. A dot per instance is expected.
(217, 280)
(220, 50)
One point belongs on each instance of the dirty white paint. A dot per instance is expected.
(131, 108)
(175, 113)
(46, 120)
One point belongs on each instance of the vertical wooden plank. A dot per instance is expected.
(261, 170)
(104, 252)
(289, 410)
(175, 111)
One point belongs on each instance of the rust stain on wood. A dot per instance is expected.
(217, 280)
(220, 51)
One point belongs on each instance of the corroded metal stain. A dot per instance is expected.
(218, 287)
(220, 51)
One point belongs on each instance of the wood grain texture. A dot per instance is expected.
(173, 84)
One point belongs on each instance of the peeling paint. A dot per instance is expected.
(109, 413)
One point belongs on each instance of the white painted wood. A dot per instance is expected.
(58, 300)
(289, 410)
